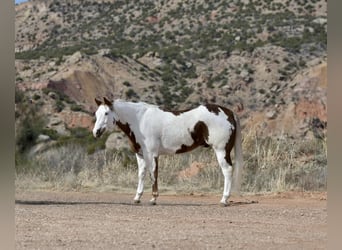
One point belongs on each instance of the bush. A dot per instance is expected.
(131, 94)
(19, 96)
(53, 134)
(59, 105)
(84, 138)
(31, 126)
(76, 107)
(36, 97)
(127, 84)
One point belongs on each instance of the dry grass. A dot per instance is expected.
(270, 165)
(282, 164)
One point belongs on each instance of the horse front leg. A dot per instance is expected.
(154, 177)
(141, 176)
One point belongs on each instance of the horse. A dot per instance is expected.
(153, 131)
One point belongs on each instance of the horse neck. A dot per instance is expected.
(128, 112)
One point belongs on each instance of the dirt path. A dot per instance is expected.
(56, 220)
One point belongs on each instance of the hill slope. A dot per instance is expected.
(266, 59)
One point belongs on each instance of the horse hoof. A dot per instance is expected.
(153, 203)
(223, 204)
(136, 201)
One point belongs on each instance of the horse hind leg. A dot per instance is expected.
(223, 158)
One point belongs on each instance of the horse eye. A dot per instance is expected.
(106, 113)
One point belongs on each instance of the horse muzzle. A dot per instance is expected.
(99, 132)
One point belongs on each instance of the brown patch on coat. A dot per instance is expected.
(127, 130)
(155, 184)
(199, 135)
(213, 108)
(230, 145)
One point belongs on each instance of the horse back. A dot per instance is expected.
(183, 131)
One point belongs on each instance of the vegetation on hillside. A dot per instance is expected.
(183, 35)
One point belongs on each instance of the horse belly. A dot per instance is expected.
(174, 139)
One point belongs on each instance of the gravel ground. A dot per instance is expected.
(79, 220)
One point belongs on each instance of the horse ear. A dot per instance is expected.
(98, 102)
(107, 102)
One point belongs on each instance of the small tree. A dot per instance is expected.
(29, 129)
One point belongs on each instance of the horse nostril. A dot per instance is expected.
(99, 132)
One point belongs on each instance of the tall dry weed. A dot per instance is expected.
(271, 164)
(284, 163)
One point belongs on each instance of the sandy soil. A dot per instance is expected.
(70, 220)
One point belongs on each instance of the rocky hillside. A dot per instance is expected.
(265, 59)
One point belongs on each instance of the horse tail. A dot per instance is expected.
(238, 165)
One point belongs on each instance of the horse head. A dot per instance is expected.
(104, 117)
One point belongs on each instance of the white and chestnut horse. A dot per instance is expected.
(153, 132)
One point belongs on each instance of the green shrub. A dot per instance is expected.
(36, 97)
(59, 105)
(127, 84)
(19, 96)
(75, 107)
(131, 94)
(84, 138)
(31, 126)
(53, 134)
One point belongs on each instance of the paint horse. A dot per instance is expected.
(153, 132)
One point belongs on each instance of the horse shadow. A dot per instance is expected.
(74, 203)
(66, 203)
